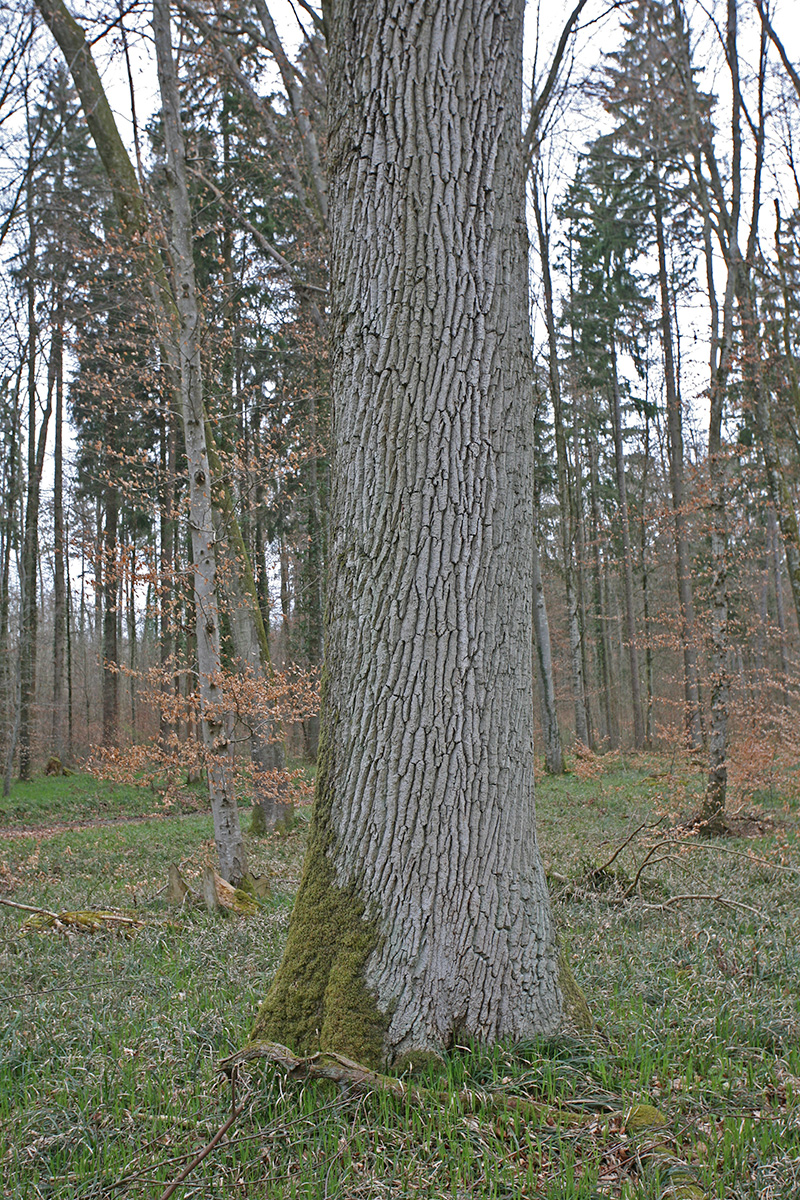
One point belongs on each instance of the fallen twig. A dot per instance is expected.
(78, 917)
(723, 900)
(619, 849)
(753, 858)
(43, 912)
(647, 861)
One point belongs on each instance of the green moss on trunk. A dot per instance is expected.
(575, 1009)
(319, 998)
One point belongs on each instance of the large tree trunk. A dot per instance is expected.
(216, 725)
(423, 914)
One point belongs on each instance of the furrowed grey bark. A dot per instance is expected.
(215, 722)
(423, 914)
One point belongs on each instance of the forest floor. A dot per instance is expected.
(687, 949)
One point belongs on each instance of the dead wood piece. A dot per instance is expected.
(320, 1066)
(210, 894)
(177, 888)
(344, 1071)
(88, 919)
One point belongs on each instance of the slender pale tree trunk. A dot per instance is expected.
(59, 739)
(168, 599)
(780, 608)
(29, 564)
(627, 557)
(133, 218)
(216, 727)
(9, 677)
(649, 732)
(578, 524)
(553, 755)
(683, 562)
(566, 506)
(712, 813)
(602, 642)
(423, 914)
(777, 484)
(111, 582)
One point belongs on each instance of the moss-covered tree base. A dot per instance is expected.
(318, 999)
(576, 1010)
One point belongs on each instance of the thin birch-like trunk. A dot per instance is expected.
(683, 565)
(133, 218)
(553, 755)
(602, 644)
(58, 736)
(110, 653)
(780, 608)
(627, 557)
(216, 724)
(566, 506)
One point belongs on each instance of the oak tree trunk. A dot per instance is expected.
(423, 914)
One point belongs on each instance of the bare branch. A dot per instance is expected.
(542, 100)
(778, 44)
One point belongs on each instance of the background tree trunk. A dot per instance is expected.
(683, 564)
(553, 756)
(627, 557)
(216, 725)
(60, 721)
(566, 506)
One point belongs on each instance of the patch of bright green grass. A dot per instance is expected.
(108, 1077)
(51, 799)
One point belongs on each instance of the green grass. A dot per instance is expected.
(109, 1044)
(48, 800)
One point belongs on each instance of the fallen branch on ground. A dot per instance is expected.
(87, 920)
(637, 1119)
